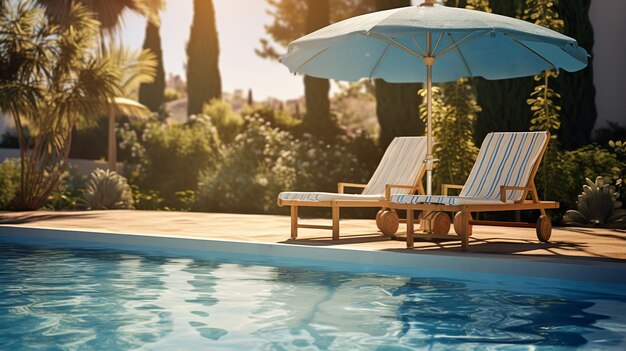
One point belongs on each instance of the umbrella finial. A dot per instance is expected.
(428, 3)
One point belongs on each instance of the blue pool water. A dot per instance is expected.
(61, 298)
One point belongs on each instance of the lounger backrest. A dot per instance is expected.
(401, 164)
(504, 159)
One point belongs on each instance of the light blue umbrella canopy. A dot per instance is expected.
(391, 45)
(432, 43)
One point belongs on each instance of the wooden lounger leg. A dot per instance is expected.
(410, 229)
(464, 224)
(335, 210)
(294, 222)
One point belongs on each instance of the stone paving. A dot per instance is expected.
(566, 243)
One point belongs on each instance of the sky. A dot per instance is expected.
(240, 26)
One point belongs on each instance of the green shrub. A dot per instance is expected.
(263, 161)
(619, 147)
(251, 172)
(278, 118)
(590, 161)
(222, 116)
(174, 155)
(598, 206)
(149, 200)
(67, 195)
(106, 190)
(171, 95)
(9, 182)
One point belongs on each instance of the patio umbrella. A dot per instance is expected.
(125, 107)
(432, 43)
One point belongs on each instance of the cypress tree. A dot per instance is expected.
(397, 105)
(152, 94)
(503, 101)
(578, 93)
(203, 76)
(317, 119)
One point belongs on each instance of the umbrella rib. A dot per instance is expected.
(545, 60)
(458, 49)
(310, 59)
(380, 59)
(395, 43)
(438, 41)
(461, 42)
(418, 45)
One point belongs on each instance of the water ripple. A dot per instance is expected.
(68, 299)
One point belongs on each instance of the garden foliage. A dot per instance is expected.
(9, 182)
(263, 161)
(172, 156)
(106, 190)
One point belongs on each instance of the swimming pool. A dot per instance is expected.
(63, 297)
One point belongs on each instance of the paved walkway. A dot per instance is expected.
(580, 243)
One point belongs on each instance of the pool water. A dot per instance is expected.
(54, 298)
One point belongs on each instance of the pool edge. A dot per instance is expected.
(387, 261)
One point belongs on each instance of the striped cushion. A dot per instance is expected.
(400, 165)
(504, 159)
(442, 200)
(311, 196)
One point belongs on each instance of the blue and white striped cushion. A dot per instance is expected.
(442, 200)
(504, 159)
(319, 196)
(401, 164)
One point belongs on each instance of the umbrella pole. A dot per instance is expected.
(429, 126)
(112, 158)
(428, 61)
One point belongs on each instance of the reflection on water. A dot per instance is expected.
(458, 314)
(113, 300)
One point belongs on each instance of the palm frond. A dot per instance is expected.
(137, 67)
(108, 12)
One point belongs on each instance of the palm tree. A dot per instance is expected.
(107, 12)
(50, 79)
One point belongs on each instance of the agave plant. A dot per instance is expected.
(106, 190)
(598, 206)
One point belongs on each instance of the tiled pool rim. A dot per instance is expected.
(364, 261)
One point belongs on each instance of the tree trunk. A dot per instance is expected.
(397, 105)
(152, 94)
(203, 76)
(317, 119)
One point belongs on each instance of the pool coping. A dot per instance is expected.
(394, 262)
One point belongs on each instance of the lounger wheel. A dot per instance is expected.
(387, 221)
(544, 228)
(437, 223)
(457, 224)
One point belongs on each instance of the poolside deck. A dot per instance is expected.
(567, 243)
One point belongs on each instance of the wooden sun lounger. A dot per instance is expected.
(463, 221)
(405, 166)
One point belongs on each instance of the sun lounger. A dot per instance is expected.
(501, 180)
(402, 163)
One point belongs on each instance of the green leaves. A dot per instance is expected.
(454, 113)
(598, 206)
(543, 13)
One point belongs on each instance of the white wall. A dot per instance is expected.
(608, 18)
